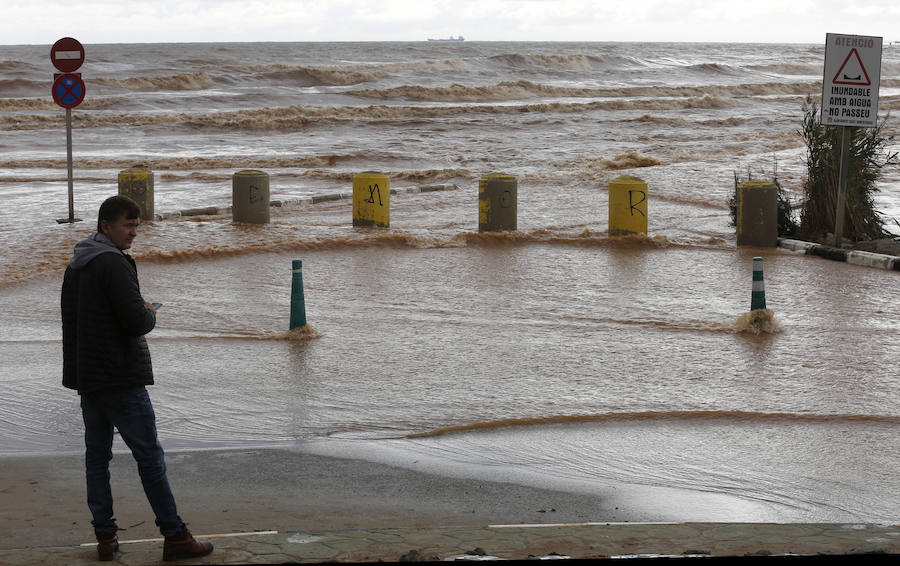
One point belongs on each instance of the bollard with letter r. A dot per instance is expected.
(627, 206)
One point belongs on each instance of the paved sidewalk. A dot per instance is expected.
(509, 542)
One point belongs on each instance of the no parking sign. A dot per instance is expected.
(68, 90)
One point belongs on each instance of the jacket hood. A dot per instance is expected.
(89, 248)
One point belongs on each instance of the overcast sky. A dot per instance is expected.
(133, 21)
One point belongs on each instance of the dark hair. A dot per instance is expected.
(114, 207)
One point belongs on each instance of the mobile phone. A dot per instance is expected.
(156, 305)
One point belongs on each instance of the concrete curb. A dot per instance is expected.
(856, 257)
(854, 543)
(214, 211)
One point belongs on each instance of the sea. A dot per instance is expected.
(554, 355)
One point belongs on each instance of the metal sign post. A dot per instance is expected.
(849, 99)
(69, 165)
(846, 135)
(68, 91)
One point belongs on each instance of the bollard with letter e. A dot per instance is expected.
(498, 195)
(137, 184)
(250, 197)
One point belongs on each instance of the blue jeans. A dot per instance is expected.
(129, 411)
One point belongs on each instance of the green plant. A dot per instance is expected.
(867, 156)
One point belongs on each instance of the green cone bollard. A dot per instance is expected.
(298, 304)
(758, 295)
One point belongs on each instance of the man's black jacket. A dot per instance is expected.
(104, 320)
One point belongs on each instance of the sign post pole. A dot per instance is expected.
(68, 91)
(69, 165)
(846, 134)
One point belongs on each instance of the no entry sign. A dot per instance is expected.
(851, 80)
(67, 55)
(68, 90)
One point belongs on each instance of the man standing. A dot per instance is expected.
(106, 359)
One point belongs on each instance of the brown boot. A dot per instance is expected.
(107, 546)
(183, 545)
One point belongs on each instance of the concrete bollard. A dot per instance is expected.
(137, 184)
(758, 294)
(371, 200)
(250, 197)
(498, 196)
(757, 214)
(627, 206)
(298, 303)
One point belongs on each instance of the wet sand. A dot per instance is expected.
(42, 500)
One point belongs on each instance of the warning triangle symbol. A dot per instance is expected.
(852, 72)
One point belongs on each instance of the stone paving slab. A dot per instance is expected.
(505, 542)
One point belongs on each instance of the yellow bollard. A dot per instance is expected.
(137, 184)
(627, 206)
(371, 199)
(757, 214)
(250, 197)
(498, 196)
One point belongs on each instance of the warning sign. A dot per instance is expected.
(851, 80)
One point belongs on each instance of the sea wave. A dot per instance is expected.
(189, 163)
(589, 166)
(30, 104)
(523, 89)
(400, 239)
(665, 120)
(657, 416)
(32, 261)
(688, 199)
(305, 75)
(299, 335)
(181, 81)
(311, 76)
(23, 87)
(760, 321)
(715, 69)
(542, 62)
(51, 179)
(11, 66)
(298, 117)
(787, 69)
